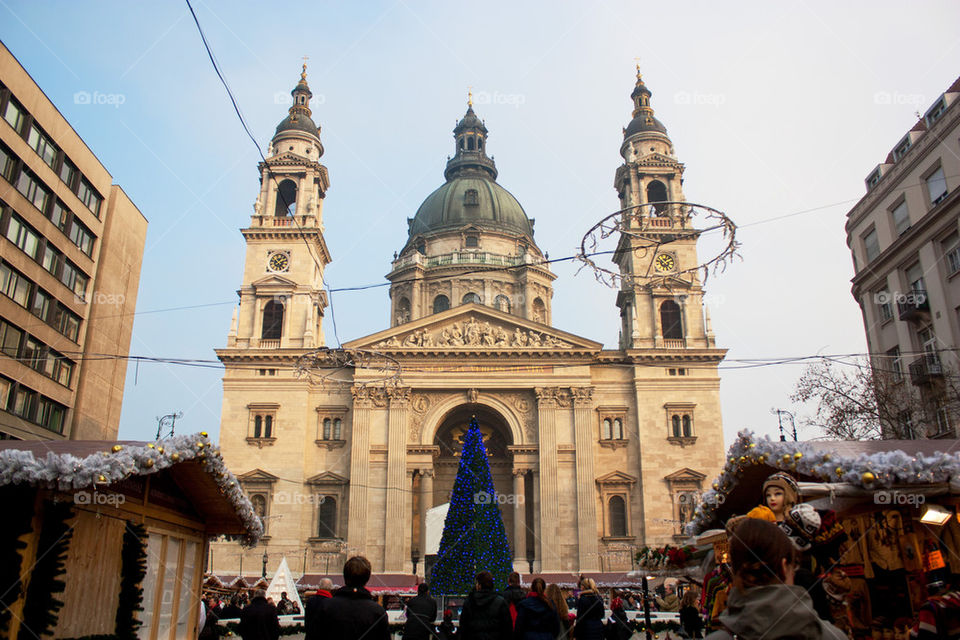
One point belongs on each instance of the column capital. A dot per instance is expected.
(582, 396)
(547, 396)
(367, 397)
(521, 471)
(399, 396)
(427, 472)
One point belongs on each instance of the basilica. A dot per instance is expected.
(595, 452)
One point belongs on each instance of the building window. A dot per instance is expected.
(259, 502)
(612, 420)
(7, 163)
(874, 178)
(680, 420)
(33, 190)
(951, 253)
(896, 364)
(934, 113)
(286, 199)
(901, 149)
(75, 279)
(272, 321)
(884, 306)
(502, 303)
(20, 234)
(607, 433)
(937, 186)
(327, 525)
(41, 305)
(60, 215)
(687, 426)
(263, 422)
(89, 196)
(82, 237)
(901, 218)
(471, 297)
(14, 285)
(471, 242)
(670, 320)
(68, 172)
(539, 311)
(330, 424)
(657, 192)
(617, 514)
(470, 198)
(14, 115)
(871, 246)
(676, 429)
(10, 337)
(403, 311)
(68, 323)
(43, 145)
(915, 281)
(441, 303)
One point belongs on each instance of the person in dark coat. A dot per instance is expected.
(513, 594)
(352, 613)
(311, 611)
(233, 609)
(447, 630)
(690, 619)
(590, 610)
(536, 617)
(485, 614)
(258, 620)
(421, 614)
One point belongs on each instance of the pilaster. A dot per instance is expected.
(359, 471)
(586, 477)
(549, 506)
(399, 399)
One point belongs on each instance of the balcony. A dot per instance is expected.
(925, 368)
(269, 344)
(913, 305)
(670, 343)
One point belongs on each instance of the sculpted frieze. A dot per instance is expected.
(473, 333)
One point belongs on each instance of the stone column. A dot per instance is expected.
(535, 479)
(426, 503)
(396, 478)
(359, 471)
(549, 506)
(584, 434)
(519, 520)
(656, 329)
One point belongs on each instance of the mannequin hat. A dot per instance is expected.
(791, 492)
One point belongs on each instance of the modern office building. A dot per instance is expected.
(905, 241)
(71, 247)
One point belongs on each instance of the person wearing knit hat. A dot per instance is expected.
(801, 525)
(780, 493)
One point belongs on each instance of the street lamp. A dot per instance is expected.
(415, 558)
(646, 607)
(263, 574)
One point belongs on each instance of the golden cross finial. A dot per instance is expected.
(469, 96)
(637, 60)
(303, 74)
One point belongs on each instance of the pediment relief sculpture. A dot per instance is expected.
(473, 333)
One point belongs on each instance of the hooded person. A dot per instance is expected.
(513, 594)
(780, 494)
(536, 617)
(764, 603)
(352, 613)
(590, 611)
(421, 613)
(485, 614)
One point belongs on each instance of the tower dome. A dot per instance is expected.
(299, 120)
(643, 120)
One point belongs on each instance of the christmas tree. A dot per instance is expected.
(473, 538)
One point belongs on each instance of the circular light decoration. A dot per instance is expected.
(379, 368)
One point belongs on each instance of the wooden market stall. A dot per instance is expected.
(96, 531)
(888, 534)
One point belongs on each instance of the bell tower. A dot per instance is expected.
(660, 297)
(282, 298)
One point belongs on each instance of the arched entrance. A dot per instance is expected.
(496, 439)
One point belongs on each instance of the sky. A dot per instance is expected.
(778, 110)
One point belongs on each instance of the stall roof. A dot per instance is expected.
(866, 464)
(192, 462)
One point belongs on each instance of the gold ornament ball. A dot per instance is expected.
(150, 445)
(797, 455)
(101, 478)
(786, 457)
(761, 459)
(716, 487)
(839, 471)
(200, 445)
(203, 434)
(175, 457)
(752, 445)
(148, 463)
(742, 459)
(160, 449)
(116, 448)
(868, 477)
(826, 457)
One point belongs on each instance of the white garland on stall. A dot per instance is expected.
(67, 472)
(868, 471)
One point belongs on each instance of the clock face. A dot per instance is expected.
(279, 262)
(665, 262)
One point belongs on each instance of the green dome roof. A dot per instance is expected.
(297, 122)
(450, 207)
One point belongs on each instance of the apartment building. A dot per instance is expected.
(905, 241)
(71, 247)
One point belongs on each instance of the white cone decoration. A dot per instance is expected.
(283, 581)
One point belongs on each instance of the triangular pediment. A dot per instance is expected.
(616, 477)
(477, 328)
(273, 280)
(287, 158)
(327, 477)
(658, 159)
(686, 474)
(257, 475)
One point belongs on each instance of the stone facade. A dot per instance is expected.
(594, 452)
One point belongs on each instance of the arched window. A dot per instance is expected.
(268, 426)
(470, 143)
(657, 192)
(670, 321)
(272, 321)
(327, 425)
(607, 429)
(471, 197)
(676, 426)
(286, 198)
(403, 311)
(618, 429)
(441, 303)
(422, 247)
(471, 297)
(539, 310)
(479, 144)
(617, 511)
(337, 428)
(471, 242)
(257, 426)
(502, 303)
(328, 518)
(687, 427)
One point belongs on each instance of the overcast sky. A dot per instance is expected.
(775, 108)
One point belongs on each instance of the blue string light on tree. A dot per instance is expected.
(474, 538)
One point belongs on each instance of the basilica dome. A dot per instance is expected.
(474, 200)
